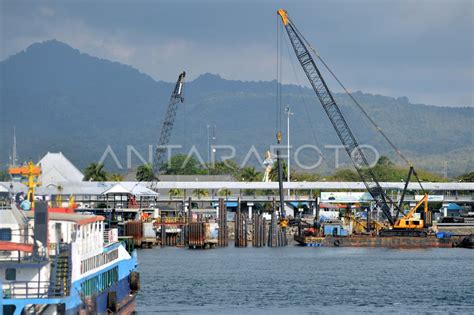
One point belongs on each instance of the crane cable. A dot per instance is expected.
(278, 79)
(402, 156)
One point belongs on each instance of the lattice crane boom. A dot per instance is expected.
(337, 119)
(167, 127)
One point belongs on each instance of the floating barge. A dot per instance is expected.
(430, 241)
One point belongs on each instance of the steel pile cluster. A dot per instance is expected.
(240, 235)
(223, 234)
(196, 235)
(276, 235)
(176, 236)
(259, 225)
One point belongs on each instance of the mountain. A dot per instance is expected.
(60, 99)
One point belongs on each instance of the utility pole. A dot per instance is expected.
(288, 113)
(211, 137)
(208, 150)
(14, 157)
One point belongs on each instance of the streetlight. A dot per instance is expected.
(208, 150)
(210, 143)
(288, 113)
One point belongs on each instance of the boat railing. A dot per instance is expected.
(110, 236)
(38, 255)
(25, 289)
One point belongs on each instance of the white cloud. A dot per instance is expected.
(163, 58)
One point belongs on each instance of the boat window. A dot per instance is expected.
(5, 234)
(10, 274)
(9, 309)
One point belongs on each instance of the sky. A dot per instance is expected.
(420, 49)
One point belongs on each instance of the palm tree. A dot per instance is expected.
(176, 192)
(115, 177)
(274, 171)
(249, 174)
(224, 192)
(95, 172)
(145, 173)
(199, 193)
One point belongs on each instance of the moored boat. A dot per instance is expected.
(64, 263)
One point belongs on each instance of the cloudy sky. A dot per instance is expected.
(419, 49)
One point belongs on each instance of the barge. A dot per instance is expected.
(430, 241)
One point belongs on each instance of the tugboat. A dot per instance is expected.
(55, 261)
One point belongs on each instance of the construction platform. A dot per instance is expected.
(430, 241)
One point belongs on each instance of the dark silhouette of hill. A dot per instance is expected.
(63, 100)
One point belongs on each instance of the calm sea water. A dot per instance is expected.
(299, 280)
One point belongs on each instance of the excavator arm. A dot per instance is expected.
(338, 121)
(409, 216)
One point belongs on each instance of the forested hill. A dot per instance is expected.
(63, 100)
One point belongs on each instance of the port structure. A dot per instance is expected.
(167, 127)
(302, 49)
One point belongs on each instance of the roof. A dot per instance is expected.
(12, 215)
(16, 186)
(56, 168)
(454, 206)
(196, 178)
(325, 185)
(130, 188)
(76, 188)
(76, 218)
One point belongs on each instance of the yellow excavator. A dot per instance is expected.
(408, 221)
(409, 225)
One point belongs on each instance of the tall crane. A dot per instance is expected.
(167, 127)
(345, 134)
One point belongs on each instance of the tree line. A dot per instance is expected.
(181, 164)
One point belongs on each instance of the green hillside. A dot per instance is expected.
(63, 100)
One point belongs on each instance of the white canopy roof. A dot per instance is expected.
(130, 188)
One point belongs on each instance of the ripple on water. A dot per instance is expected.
(305, 280)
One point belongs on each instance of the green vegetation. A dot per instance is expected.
(115, 177)
(386, 171)
(95, 172)
(200, 193)
(176, 192)
(4, 176)
(226, 167)
(435, 138)
(344, 175)
(274, 172)
(224, 192)
(467, 177)
(249, 174)
(180, 164)
(145, 173)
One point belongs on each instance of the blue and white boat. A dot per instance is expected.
(64, 263)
